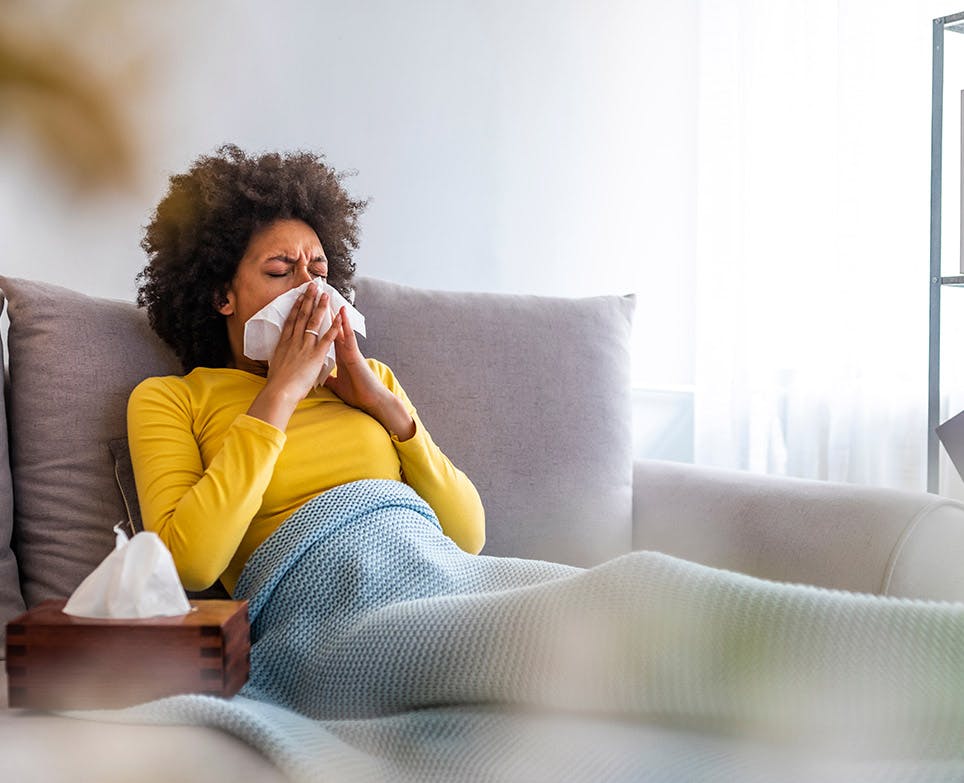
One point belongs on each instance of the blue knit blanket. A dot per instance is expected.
(380, 651)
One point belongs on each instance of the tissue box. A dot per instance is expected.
(57, 661)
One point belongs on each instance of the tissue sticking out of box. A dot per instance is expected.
(263, 329)
(137, 579)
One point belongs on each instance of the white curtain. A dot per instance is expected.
(813, 188)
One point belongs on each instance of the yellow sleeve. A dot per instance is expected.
(432, 475)
(200, 514)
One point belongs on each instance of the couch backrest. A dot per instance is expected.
(528, 395)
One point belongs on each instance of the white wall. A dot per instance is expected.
(534, 146)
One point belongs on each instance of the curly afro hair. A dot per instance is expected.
(201, 229)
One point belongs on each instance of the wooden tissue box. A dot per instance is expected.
(58, 661)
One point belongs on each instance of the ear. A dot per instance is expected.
(224, 302)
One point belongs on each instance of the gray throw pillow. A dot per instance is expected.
(530, 396)
(11, 601)
(73, 362)
(120, 450)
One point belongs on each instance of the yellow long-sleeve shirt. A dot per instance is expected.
(214, 483)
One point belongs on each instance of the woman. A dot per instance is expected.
(225, 453)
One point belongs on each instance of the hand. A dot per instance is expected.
(297, 359)
(357, 385)
(354, 383)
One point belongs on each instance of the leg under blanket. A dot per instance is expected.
(364, 615)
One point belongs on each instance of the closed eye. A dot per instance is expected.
(318, 268)
(316, 275)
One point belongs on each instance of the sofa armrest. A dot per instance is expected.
(829, 534)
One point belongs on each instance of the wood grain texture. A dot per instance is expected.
(57, 661)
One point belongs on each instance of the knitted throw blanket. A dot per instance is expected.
(380, 651)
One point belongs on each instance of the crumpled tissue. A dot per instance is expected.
(262, 331)
(137, 579)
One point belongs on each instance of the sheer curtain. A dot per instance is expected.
(813, 166)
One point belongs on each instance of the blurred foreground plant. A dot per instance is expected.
(52, 95)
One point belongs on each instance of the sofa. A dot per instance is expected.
(529, 395)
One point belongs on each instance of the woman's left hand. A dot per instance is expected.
(357, 385)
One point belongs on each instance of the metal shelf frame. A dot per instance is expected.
(953, 23)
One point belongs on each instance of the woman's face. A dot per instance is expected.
(279, 257)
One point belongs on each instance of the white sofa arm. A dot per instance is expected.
(834, 535)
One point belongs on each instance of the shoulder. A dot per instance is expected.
(159, 391)
(163, 397)
(159, 385)
(200, 382)
(180, 390)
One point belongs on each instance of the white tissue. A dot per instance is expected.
(263, 329)
(137, 579)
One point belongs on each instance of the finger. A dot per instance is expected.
(298, 315)
(316, 341)
(309, 301)
(308, 306)
(348, 334)
(340, 339)
(289, 327)
(336, 317)
(328, 337)
(317, 314)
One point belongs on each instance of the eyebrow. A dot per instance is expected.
(289, 260)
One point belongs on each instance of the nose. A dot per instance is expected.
(301, 273)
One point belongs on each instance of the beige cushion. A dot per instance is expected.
(529, 395)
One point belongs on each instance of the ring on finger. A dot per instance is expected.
(312, 331)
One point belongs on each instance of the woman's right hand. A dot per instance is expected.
(297, 359)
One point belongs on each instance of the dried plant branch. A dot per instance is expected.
(73, 118)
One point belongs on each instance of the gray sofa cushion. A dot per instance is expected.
(529, 395)
(73, 362)
(11, 601)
